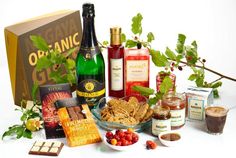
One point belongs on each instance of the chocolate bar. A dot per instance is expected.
(73, 108)
(46, 148)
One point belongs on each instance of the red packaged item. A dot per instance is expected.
(137, 65)
(49, 94)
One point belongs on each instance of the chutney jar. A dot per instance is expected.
(161, 76)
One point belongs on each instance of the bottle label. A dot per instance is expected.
(89, 52)
(177, 117)
(116, 74)
(137, 70)
(159, 126)
(90, 91)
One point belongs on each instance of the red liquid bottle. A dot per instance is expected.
(116, 64)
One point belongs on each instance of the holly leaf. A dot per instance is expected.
(56, 76)
(123, 37)
(150, 37)
(105, 43)
(199, 81)
(180, 43)
(191, 55)
(13, 130)
(192, 77)
(19, 132)
(70, 64)
(56, 57)
(158, 58)
(169, 53)
(194, 69)
(34, 91)
(27, 134)
(217, 84)
(166, 85)
(71, 51)
(23, 117)
(43, 63)
(194, 44)
(152, 101)
(143, 90)
(216, 93)
(71, 78)
(131, 43)
(39, 43)
(136, 26)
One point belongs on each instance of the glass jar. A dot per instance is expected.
(176, 102)
(161, 119)
(160, 77)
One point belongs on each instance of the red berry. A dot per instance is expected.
(128, 137)
(151, 144)
(118, 143)
(124, 142)
(172, 68)
(118, 131)
(117, 137)
(109, 135)
(121, 134)
(134, 139)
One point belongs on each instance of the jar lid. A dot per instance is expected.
(162, 110)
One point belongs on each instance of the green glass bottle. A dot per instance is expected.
(90, 67)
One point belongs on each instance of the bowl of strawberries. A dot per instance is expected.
(121, 140)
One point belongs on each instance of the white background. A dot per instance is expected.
(212, 23)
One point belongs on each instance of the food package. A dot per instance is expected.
(77, 122)
(197, 100)
(49, 95)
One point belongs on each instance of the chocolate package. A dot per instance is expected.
(49, 94)
(77, 122)
(62, 31)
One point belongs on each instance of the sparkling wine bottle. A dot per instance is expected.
(90, 67)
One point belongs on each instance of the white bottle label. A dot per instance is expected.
(159, 126)
(177, 117)
(116, 74)
(195, 109)
(137, 70)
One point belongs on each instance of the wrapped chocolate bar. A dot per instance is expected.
(49, 94)
(197, 100)
(77, 122)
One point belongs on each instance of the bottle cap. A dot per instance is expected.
(115, 35)
(115, 30)
(88, 10)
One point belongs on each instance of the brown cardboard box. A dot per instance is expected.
(62, 30)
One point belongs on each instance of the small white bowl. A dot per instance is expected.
(121, 148)
(169, 142)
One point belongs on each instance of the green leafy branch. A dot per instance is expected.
(183, 56)
(63, 66)
(30, 118)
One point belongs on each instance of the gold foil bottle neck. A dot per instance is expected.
(115, 35)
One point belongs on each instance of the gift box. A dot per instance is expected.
(62, 31)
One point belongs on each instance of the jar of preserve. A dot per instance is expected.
(161, 119)
(161, 76)
(176, 102)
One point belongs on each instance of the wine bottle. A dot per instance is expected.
(116, 64)
(90, 67)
